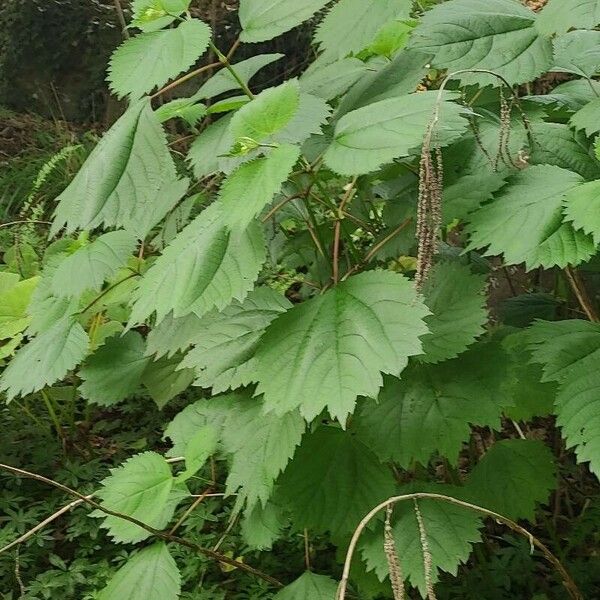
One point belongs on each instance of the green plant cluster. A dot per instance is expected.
(375, 280)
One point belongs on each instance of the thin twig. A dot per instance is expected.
(121, 17)
(581, 294)
(350, 191)
(23, 222)
(155, 532)
(306, 550)
(185, 78)
(189, 511)
(568, 582)
(106, 291)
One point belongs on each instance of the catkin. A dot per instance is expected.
(427, 558)
(389, 547)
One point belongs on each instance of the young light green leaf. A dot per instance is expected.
(15, 296)
(512, 477)
(142, 488)
(351, 25)
(181, 108)
(91, 265)
(369, 137)
(115, 370)
(151, 574)
(260, 447)
(207, 266)
(46, 359)
(582, 208)
(263, 21)
(495, 35)
(226, 341)
(201, 446)
(246, 192)
(525, 221)
(152, 15)
(129, 179)
(149, 60)
(326, 352)
(570, 351)
(456, 297)
(431, 408)
(558, 16)
(333, 481)
(309, 586)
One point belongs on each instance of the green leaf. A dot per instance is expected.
(569, 351)
(182, 108)
(392, 37)
(172, 335)
(582, 208)
(263, 21)
(165, 379)
(326, 352)
(432, 407)
(201, 446)
(260, 446)
(15, 296)
(262, 526)
(205, 267)
(151, 15)
(268, 113)
(46, 359)
(588, 118)
(556, 144)
(577, 52)
(496, 35)
(525, 221)
(450, 530)
(224, 347)
(351, 25)
(333, 482)
(312, 114)
(215, 141)
(90, 266)
(142, 488)
(331, 80)
(309, 586)
(512, 477)
(246, 192)
(115, 370)
(369, 137)
(149, 60)
(558, 16)
(129, 179)
(456, 297)
(223, 81)
(151, 574)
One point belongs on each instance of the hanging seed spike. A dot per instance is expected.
(479, 141)
(389, 547)
(427, 558)
(501, 134)
(508, 132)
(505, 112)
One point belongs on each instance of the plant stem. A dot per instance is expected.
(52, 413)
(185, 78)
(106, 291)
(350, 191)
(121, 17)
(224, 60)
(581, 294)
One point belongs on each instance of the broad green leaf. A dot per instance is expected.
(263, 21)
(512, 477)
(142, 488)
(333, 482)
(15, 296)
(312, 114)
(582, 208)
(351, 25)
(588, 118)
(223, 81)
(525, 221)
(115, 370)
(432, 407)
(569, 352)
(495, 35)
(165, 379)
(207, 266)
(260, 447)
(456, 297)
(556, 144)
(172, 335)
(201, 446)
(215, 141)
(268, 113)
(392, 37)
(182, 108)
(228, 105)
(309, 586)
(152, 15)
(90, 266)
(451, 530)
(46, 359)
(522, 310)
(149, 60)
(262, 526)
(151, 574)
(246, 192)
(333, 79)
(129, 179)
(326, 352)
(225, 343)
(577, 52)
(558, 16)
(369, 137)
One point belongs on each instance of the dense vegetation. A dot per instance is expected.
(332, 335)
